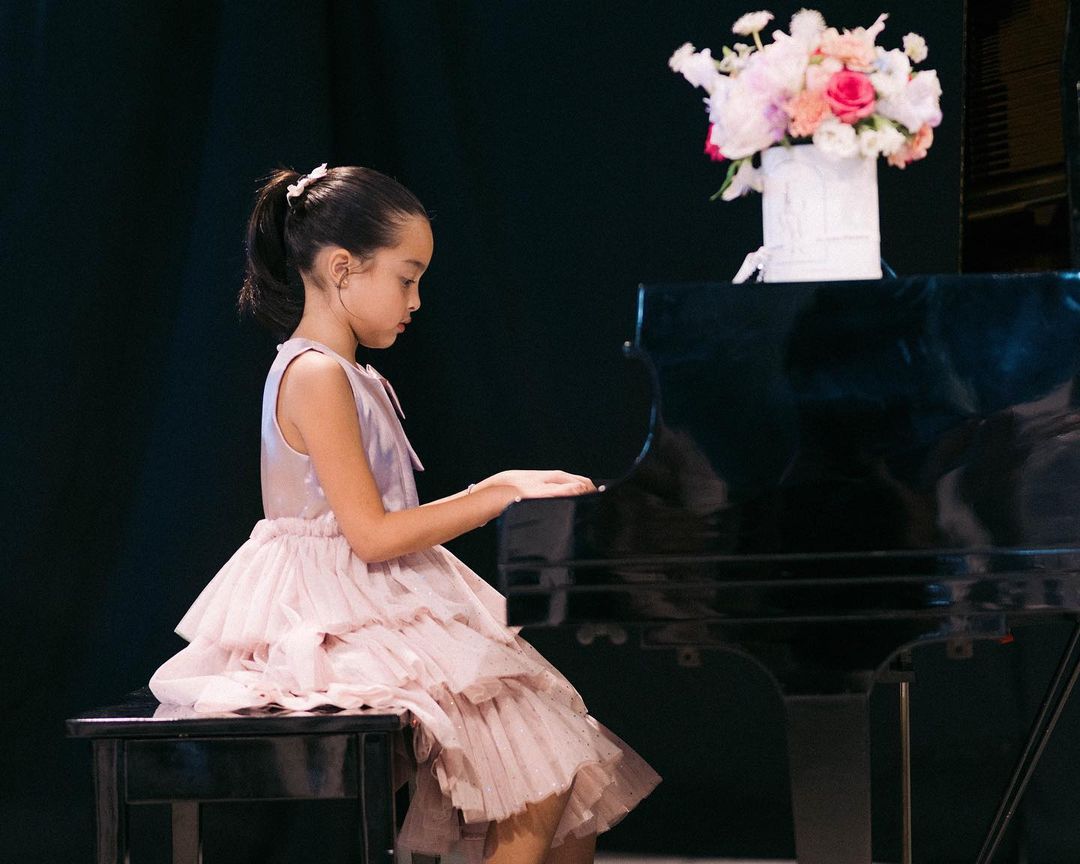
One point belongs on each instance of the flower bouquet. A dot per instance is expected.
(809, 98)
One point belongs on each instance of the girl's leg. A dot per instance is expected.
(573, 850)
(526, 837)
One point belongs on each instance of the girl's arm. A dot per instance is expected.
(316, 400)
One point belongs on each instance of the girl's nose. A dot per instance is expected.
(414, 301)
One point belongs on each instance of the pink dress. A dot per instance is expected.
(296, 619)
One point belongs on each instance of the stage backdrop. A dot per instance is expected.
(562, 162)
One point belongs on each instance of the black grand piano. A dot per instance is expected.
(834, 474)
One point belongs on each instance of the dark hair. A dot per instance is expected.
(358, 209)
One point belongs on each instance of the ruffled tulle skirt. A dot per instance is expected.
(295, 619)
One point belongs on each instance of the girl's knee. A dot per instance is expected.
(526, 836)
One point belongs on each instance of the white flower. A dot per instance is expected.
(915, 47)
(890, 139)
(746, 179)
(869, 145)
(916, 104)
(681, 55)
(893, 69)
(835, 139)
(807, 25)
(745, 121)
(818, 74)
(751, 22)
(885, 140)
(872, 31)
(733, 61)
(716, 101)
(778, 70)
(698, 68)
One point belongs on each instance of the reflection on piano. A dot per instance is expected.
(834, 473)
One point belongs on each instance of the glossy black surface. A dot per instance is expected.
(839, 469)
(834, 472)
(145, 753)
(139, 715)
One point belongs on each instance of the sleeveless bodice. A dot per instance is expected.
(290, 487)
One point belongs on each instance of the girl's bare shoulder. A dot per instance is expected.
(314, 380)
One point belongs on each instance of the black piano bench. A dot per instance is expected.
(146, 753)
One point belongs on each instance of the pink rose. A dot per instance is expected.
(806, 110)
(711, 150)
(914, 149)
(850, 95)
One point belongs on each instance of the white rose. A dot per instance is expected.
(698, 68)
(891, 77)
(780, 68)
(835, 139)
(915, 104)
(807, 25)
(751, 22)
(915, 47)
(746, 179)
(746, 122)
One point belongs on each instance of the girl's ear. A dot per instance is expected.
(337, 263)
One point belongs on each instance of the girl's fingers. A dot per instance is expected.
(566, 477)
(557, 483)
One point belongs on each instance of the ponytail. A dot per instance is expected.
(266, 293)
(358, 209)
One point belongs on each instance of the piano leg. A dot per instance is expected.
(829, 761)
(1057, 697)
(905, 772)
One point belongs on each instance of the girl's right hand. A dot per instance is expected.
(538, 484)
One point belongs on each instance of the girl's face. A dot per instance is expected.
(382, 293)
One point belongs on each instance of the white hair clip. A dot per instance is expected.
(297, 189)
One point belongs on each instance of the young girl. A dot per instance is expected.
(343, 596)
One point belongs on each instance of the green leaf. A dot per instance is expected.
(732, 170)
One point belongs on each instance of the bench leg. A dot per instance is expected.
(375, 785)
(109, 798)
(186, 833)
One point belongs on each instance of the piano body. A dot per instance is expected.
(834, 473)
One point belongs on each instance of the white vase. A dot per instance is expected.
(819, 216)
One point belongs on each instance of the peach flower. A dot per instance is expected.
(915, 149)
(854, 48)
(851, 49)
(806, 110)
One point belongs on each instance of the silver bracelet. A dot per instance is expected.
(469, 490)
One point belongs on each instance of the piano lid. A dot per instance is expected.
(905, 420)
